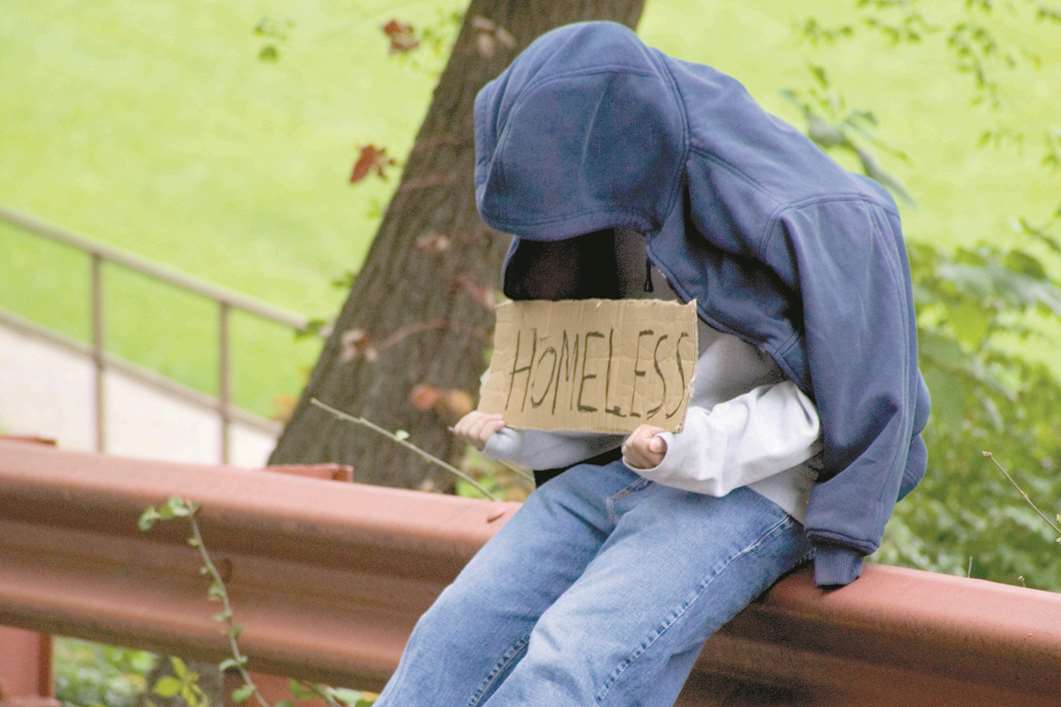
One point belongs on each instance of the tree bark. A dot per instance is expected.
(438, 331)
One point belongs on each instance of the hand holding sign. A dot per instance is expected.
(476, 427)
(643, 449)
(592, 365)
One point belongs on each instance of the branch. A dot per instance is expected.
(227, 607)
(1027, 498)
(408, 445)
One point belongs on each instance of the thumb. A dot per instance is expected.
(656, 444)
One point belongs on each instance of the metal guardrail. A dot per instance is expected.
(328, 580)
(226, 301)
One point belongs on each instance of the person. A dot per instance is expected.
(804, 429)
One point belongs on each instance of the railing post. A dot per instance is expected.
(224, 390)
(100, 254)
(97, 350)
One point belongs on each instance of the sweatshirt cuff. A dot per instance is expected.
(504, 444)
(836, 565)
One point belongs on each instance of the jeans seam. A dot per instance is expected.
(634, 485)
(507, 657)
(785, 521)
(807, 557)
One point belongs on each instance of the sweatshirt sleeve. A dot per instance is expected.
(740, 441)
(541, 449)
(859, 331)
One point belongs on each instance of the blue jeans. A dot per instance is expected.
(600, 590)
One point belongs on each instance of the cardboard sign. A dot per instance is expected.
(592, 365)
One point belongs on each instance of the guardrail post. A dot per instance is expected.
(98, 361)
(26, 676)
(224, 390)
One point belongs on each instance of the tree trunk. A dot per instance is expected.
(416, 306)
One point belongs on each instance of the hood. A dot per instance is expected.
(582, 134)
(589, 130)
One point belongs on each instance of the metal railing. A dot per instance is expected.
(226, 301)
(328, 580)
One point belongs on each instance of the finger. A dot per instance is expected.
(486, 425)
(490, 428)
(635, 456)
(465, 428)
(644, 431)
(475, 429)
(640, 462)
(655, 450)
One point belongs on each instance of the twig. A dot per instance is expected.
(227, 607)
(517, 470)
(178, 507)
(417, 327)
(314, 687)
(508, 465)
(1027, 498)
(408, 445)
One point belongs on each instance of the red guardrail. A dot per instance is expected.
(329, 578)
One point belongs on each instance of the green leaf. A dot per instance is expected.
(948, 394)
(345, 281)
(1026, 264)
(177, 507)
(148, 518)
(232, 663)
(971, 322)
(345, 695)
(401, 434)
(240, 694)
(971, 280)
(235, 630)
(819, 74)
(300, 691)
(942, 350)
(167, 686)
(179, 666)
(314, 326)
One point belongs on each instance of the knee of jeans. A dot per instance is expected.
(454, 607)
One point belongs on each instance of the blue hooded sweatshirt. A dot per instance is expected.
(590, 130)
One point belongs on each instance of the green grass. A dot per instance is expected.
(154, 127)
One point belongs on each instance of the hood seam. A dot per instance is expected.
(679, 176)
